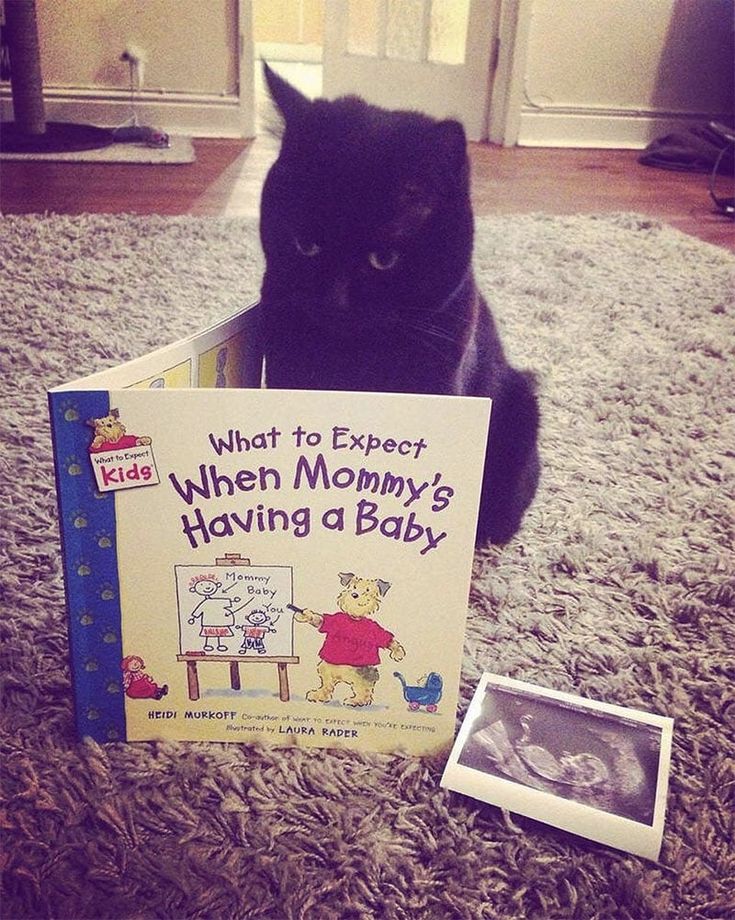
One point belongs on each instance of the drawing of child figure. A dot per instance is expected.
(214, 612)
(137, 684)
(257, 625)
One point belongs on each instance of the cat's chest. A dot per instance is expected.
(377, 364)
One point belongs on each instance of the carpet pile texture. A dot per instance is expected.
(619, 587)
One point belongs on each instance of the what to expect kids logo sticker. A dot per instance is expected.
(120, 460)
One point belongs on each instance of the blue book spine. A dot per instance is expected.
(88, 541)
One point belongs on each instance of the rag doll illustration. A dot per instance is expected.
(367, 229)
(351, 650)
(137, 684)
(110, 434)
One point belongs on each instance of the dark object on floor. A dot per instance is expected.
(694, 150)
(58, 136)
(724, 204)
(63, 137)
(704, 148)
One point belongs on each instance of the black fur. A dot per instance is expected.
(367, 230)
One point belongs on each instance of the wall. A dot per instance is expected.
(621, 72)
(592, 73)
(191, 78)
(289, 22)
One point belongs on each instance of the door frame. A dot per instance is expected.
(245, 51)
(505, 75)
(508, 73)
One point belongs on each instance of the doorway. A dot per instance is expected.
(289, 35)
(436, 56)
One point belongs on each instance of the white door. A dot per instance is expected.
(431, 55)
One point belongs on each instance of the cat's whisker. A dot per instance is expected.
(433, 331)
(432, 339)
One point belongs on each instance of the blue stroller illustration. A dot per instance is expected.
(427, 694)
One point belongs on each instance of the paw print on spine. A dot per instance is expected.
(69, 411)
(82, 567)
(86, 618)
(110, 637)
(97, 495)
(107, 592)
(91, 665)
(103, 539)
(73, 466)
(79, 519)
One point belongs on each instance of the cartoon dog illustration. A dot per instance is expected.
(110, 434)
(351, 651)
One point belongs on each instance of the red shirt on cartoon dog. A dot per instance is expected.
(352, 641)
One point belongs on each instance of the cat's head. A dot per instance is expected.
(365, 216)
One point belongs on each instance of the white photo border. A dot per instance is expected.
(601, 826)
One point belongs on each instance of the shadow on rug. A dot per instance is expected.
(619, 587)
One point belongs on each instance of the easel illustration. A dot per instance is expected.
(194, 659)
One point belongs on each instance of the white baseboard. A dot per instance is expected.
(177, 113)
(605, 128)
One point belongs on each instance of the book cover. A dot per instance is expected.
(244, 563)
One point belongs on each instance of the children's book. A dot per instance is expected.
(597, 770)
(251, 564)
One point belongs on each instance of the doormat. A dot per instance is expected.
(181, 150)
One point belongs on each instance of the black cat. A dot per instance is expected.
(367, 229)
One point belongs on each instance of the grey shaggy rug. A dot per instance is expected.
(619, 587)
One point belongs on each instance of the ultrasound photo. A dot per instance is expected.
(568, 759)
(588, 756)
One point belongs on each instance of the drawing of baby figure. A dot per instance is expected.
(214, 612)
(257, 624)
(137, 684)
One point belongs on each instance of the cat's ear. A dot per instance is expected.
(291, 103)
(451, 144)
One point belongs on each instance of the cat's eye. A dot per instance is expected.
(383, 261)
(307, 249)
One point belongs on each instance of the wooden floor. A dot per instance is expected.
(227, 176)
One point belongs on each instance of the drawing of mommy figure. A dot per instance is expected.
(254, 630)
(214, 611)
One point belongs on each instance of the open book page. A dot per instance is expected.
(227, 354)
